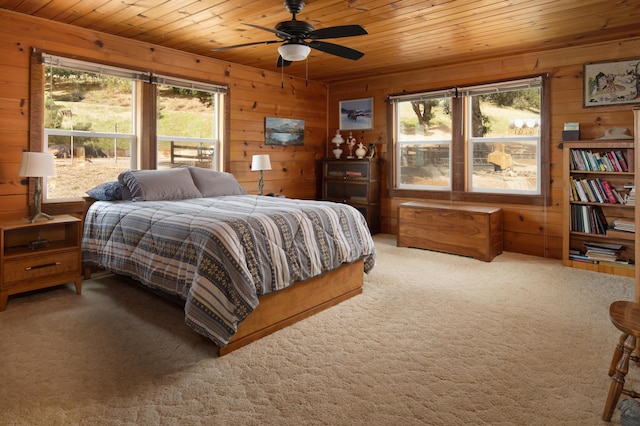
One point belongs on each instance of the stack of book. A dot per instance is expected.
(631, 197)
(602, 252)
(628, 225)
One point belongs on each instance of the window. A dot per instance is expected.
(188, 123)
(97, 120)
(424, 138)
(89, 123)
(484, 143)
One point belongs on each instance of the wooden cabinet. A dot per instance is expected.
(598, 169)
(355, 182)
(39, 255)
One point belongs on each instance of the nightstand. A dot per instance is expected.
(39, 255)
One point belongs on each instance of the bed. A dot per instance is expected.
(244, 265)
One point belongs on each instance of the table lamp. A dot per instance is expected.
(260, 162)
(37, 165)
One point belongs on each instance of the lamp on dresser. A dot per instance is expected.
(260, 162)
(37, 165)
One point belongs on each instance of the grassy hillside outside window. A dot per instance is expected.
(188, 123)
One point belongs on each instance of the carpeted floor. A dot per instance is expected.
(434, 339)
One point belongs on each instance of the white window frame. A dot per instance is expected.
(90, 67)
(397, 100)
(218, 100)
(471, 141)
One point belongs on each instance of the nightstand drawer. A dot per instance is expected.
(40, 266)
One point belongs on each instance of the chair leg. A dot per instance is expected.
(617, 354)
(617, 381)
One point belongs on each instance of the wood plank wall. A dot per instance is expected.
(527, 229)
(255, 94)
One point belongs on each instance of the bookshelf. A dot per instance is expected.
(599, 205)
(355, 182)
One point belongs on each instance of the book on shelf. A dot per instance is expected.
(581, 258)
(619, 197)
(622, 160)
(576, 186)
(606, 161)
(614, 161)
(352, 173)
(630, 198)
(624, 224)
(597, 191)
(607, 190)
(588, 219)
(595, 245)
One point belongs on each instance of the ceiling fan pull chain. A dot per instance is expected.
(282, 74)
(306, 79)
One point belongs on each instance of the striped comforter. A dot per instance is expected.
(219, 254)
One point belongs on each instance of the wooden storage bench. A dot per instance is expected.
(463, 229)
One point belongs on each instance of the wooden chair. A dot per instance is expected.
(626, 317)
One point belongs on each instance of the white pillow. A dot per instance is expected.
(155, 185)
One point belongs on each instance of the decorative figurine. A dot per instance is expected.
(361, 151)
(351, 142)
(372, 150)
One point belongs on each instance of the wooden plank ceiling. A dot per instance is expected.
(403, 34)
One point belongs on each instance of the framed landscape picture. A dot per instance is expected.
(283, 131)
(612, 83)
(356, 114)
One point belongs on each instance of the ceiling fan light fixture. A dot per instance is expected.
(294, 52)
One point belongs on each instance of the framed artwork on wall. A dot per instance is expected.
(283, 131)
(356, 114)
(612, 83)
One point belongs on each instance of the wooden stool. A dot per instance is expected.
(626, 317)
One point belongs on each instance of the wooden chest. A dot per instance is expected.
(474, 231)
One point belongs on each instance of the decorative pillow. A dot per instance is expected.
(108, 191)
(212, 183)
(155, 185)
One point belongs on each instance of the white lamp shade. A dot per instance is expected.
(294, 52)
(37, 164)
(260, 162)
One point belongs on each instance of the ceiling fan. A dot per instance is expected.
(299, 37)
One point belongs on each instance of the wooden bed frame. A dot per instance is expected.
(292, 304)
(288, 306)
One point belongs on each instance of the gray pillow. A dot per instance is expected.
(155, 185)
(212, 183)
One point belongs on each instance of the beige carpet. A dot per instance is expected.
(434, 339)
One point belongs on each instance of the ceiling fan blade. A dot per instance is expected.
(335, 49)
(220, 49)
(282, 63)
(279, 33)
(337, 32)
